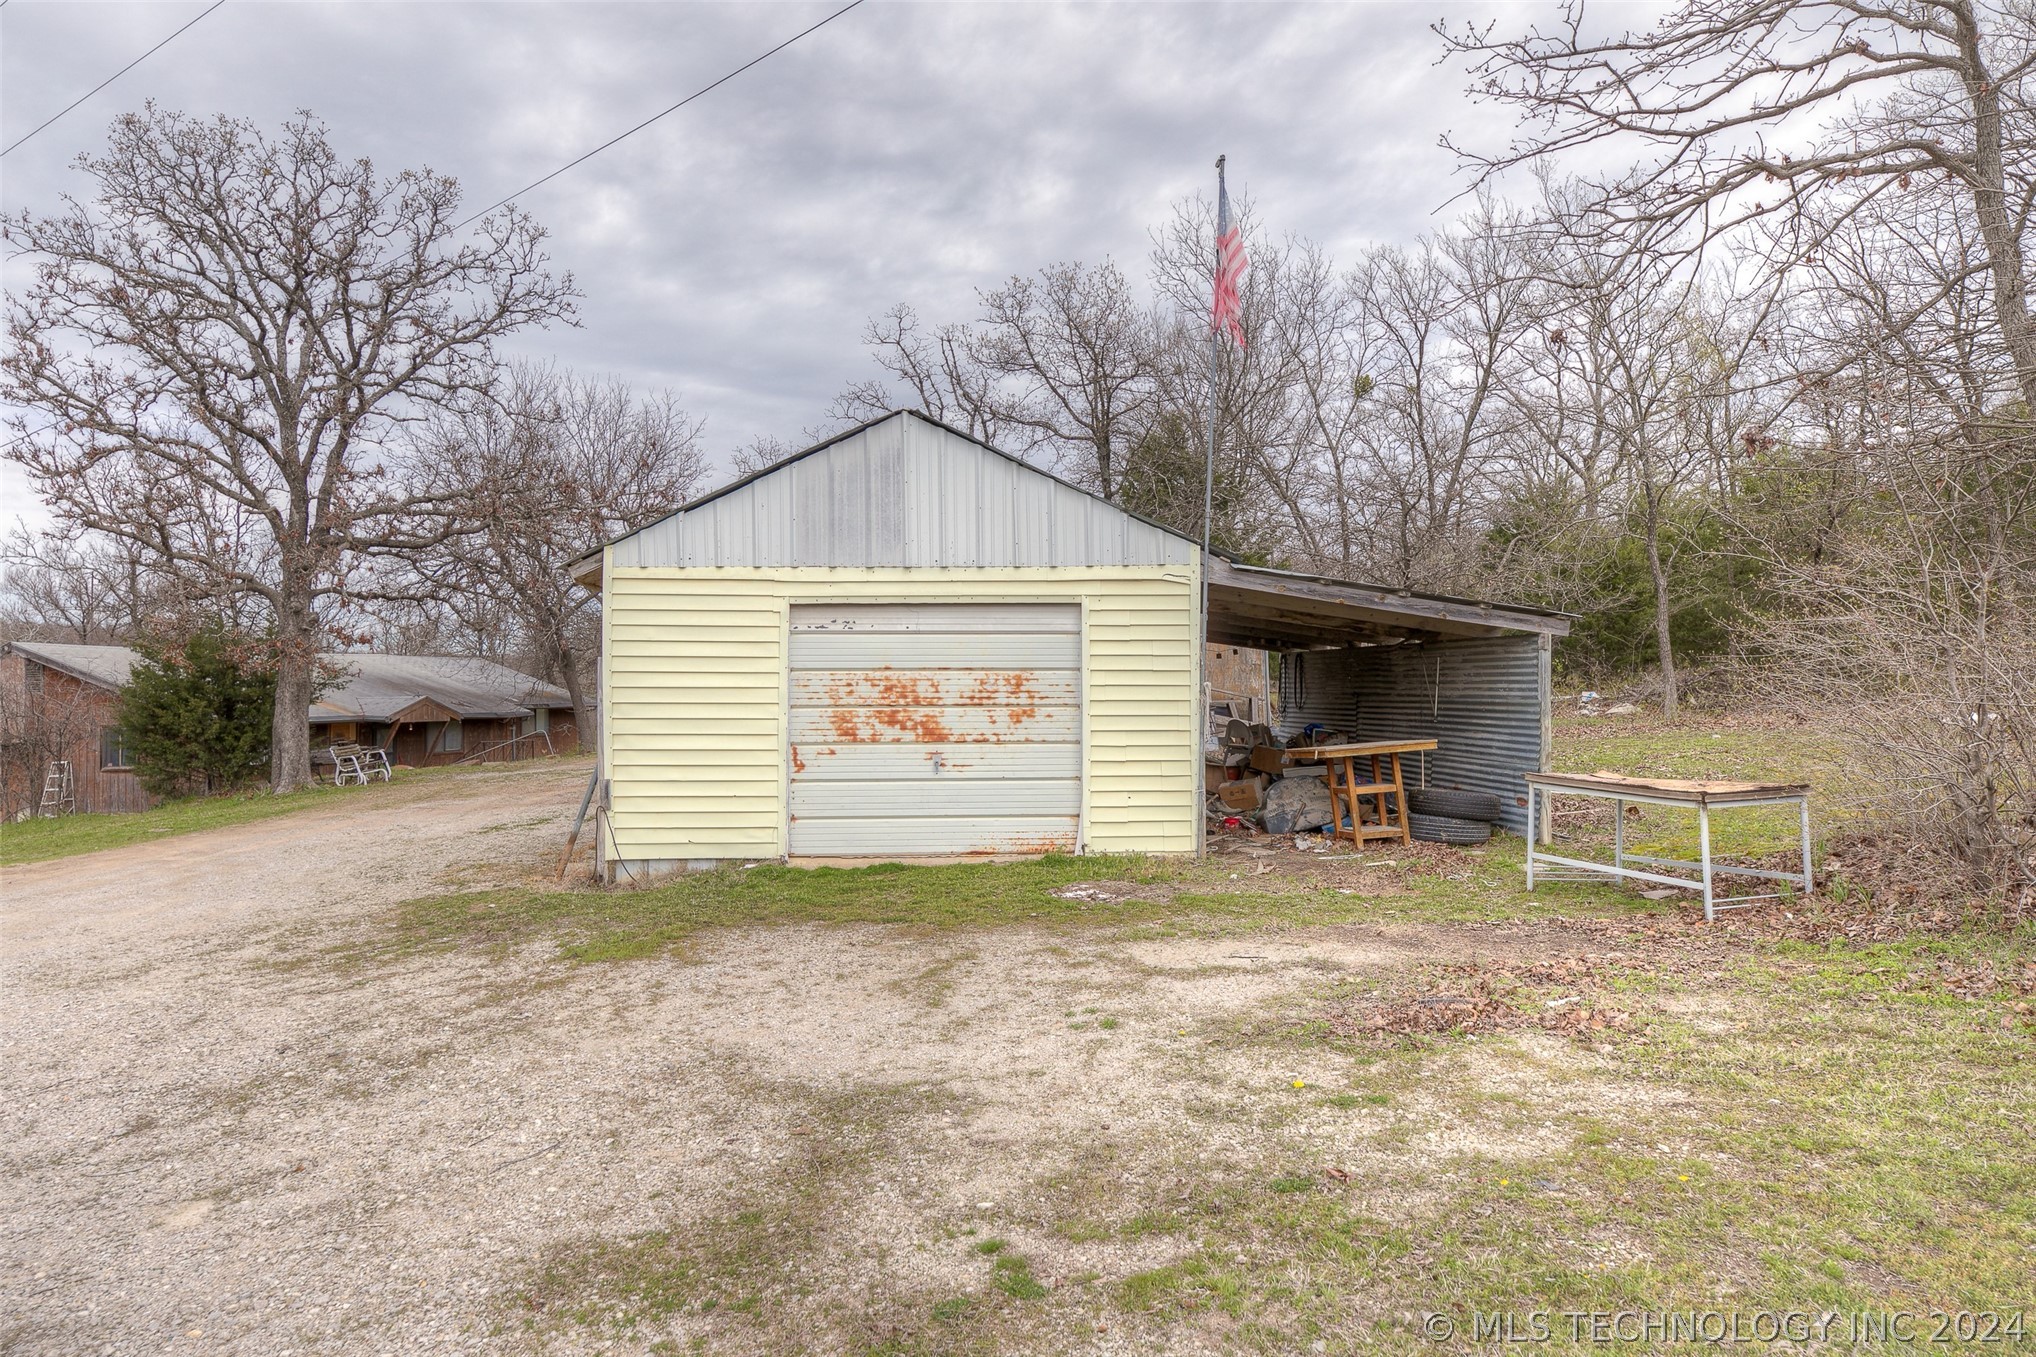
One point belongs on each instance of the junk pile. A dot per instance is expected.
(1591, 702)
(1252, 788)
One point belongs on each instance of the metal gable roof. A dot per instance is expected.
(1270, 609)
(900, 490)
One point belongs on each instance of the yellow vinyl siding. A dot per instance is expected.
(694, 684)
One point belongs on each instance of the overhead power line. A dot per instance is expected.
(111, 78)
(704, 89)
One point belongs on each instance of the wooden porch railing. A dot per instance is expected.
(491, 753)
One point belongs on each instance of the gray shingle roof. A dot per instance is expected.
(376, 687)
(107, 666)
(365, 687)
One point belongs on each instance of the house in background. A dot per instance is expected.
(434, 709)
(62, 702)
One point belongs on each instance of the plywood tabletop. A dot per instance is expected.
(1309, 753)
(1695, 792)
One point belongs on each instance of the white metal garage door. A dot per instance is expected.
(923, 729)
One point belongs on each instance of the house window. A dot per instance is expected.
(113, 751)
(540, 719)
(31, 676)
(340, 732)
(455, 739)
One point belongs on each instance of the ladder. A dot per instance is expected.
(59, 793)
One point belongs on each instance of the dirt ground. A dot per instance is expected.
(215, 1141)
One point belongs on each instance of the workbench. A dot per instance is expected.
(1703, 797)
(1341, 762)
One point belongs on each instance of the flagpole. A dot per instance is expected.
(1209, 464)
(1201, 724)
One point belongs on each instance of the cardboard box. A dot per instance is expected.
(1269, 760)
(1244, 794)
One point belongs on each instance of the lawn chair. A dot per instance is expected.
(353, 765)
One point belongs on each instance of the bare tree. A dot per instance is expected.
(943, 374)
(766, 451)
(219, 351)
(552, 465)
(1072, 345)
(1294, 304)
(94, 590)
(1753, 110)
(1902, 537)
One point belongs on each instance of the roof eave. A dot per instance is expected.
(1411, 610)
(96, 680)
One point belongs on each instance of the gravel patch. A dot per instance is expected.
(213, 1144)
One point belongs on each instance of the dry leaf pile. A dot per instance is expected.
(1566, 996)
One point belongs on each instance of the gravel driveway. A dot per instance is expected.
(220, 1137)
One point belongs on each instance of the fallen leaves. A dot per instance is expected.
(1488, 997)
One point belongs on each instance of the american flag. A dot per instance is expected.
(1228, 311)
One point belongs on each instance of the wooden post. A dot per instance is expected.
(586, 799)
(1379, 798)
(1400, 797)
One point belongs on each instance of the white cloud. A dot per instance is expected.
(908, 152)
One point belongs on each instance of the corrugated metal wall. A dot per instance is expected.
(1484, 701)
(696, 692)
(903, 493)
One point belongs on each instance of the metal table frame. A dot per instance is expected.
(1577, 869)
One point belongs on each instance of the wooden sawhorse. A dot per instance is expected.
(1389, 793)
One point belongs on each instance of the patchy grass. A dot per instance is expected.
(1744, 749)
(770, 1274)
(1589, 1111)
(1838, 1129)
(1230, 892)
(1011, 1273)
(71, 835)
(591, 925)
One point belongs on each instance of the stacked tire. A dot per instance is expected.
(1455, 817)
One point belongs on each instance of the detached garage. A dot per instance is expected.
(903, 642)
(899, 643)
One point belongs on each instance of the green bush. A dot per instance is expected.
(197, 717)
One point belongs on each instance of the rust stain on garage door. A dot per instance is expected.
(879, 707)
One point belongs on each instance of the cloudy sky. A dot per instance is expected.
(906, 152)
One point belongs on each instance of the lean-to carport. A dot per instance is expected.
(1384, 664)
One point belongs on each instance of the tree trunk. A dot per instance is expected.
(1996, 223)
(584, 716)
(1660, 576)
(289, 729)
